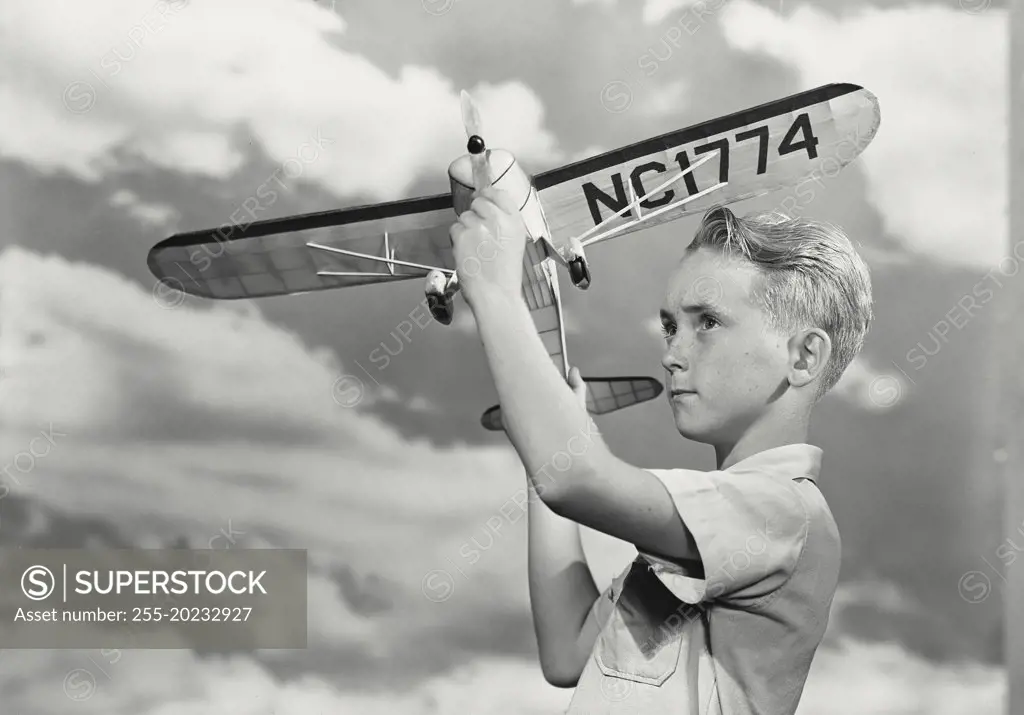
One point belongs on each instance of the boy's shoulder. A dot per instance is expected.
(797, 469)
(756, 524)
(816, 555)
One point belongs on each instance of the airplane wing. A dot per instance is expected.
(386, 242)
(806, 137)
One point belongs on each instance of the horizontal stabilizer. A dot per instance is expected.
(604, 394)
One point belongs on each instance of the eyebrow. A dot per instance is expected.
(695, 308)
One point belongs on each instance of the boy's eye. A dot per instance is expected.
(708, 322)
(668, 330)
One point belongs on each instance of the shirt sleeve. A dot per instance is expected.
(750, 530)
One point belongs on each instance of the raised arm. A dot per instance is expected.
(575, 473)
(562, 589)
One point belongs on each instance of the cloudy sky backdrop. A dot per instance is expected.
(173, 419)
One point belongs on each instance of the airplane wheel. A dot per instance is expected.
(442, 308)
(579, 273)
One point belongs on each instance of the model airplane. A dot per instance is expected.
(567, 210)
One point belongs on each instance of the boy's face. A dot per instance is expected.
(725, 363)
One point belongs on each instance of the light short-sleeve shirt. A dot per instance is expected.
(735, 633)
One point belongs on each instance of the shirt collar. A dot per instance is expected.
(790, 461)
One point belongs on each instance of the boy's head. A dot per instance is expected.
(761, 318)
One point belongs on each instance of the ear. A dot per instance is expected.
(809, 353)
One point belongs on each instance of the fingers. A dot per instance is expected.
(578, 385)
(574, 377)
(493, 216)
(483, 205)
(456, 231)
(471, 220)
(491, 203)
(502, 199)
(487, 210)
(467, 221)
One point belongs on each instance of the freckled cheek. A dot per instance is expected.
(763, 362)
(764, 369)
(715, 367)
(746, 371)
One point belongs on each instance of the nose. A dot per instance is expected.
(673, 360)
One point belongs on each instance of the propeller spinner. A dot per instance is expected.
(478, 153)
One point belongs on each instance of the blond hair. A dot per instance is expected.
(813, 277)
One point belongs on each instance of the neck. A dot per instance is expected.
(767, 433)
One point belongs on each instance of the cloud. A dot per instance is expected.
(179, 683)
(210, 395)
(666, 100)
(848, 677)
(147, 213)
(586, 153)
(652, 326)
(937, 168)
(854, 679)
(857, 677)
(98, 355)
(187, 419)
(869, 388)
(657, 10)
(190, 74)
(606, 3)
(654, 10)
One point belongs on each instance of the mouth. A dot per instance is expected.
(679, 393)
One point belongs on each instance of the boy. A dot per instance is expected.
(728, 599)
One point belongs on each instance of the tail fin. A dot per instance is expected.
(604, 394)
